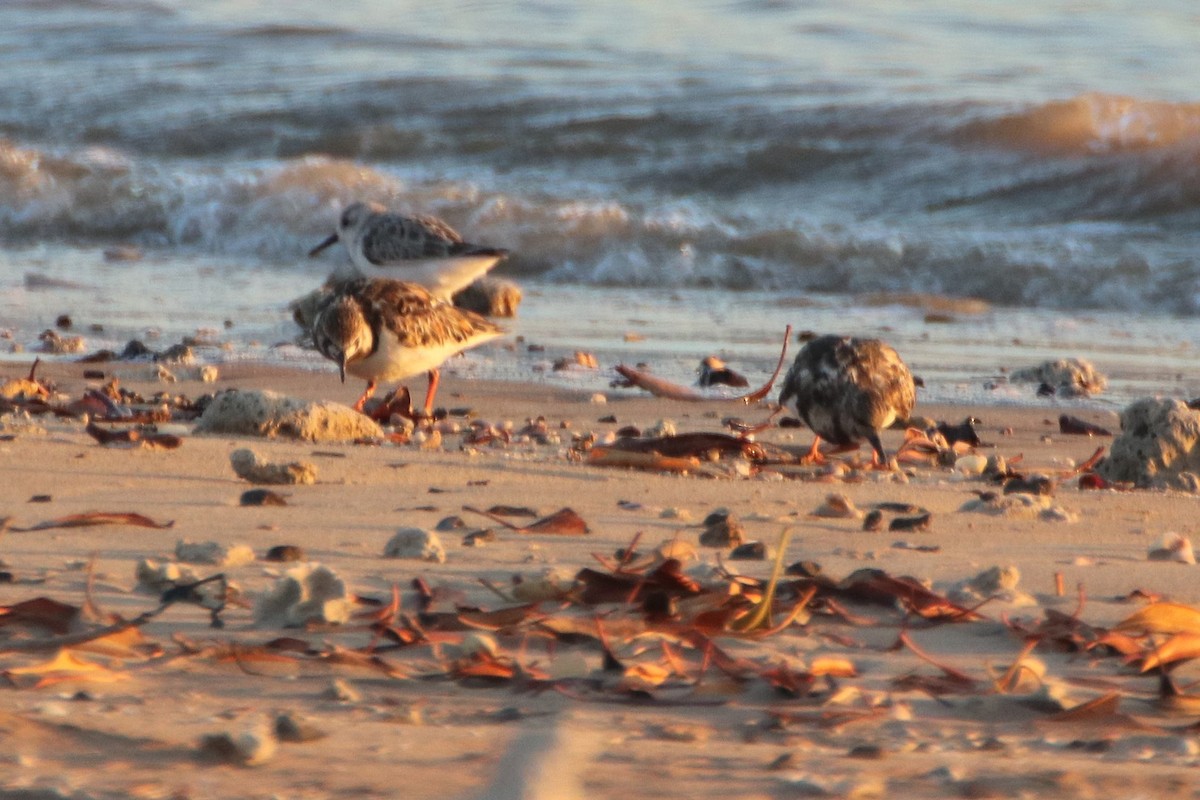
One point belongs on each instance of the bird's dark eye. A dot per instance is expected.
(347, 217)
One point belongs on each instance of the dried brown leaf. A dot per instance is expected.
(91, 518)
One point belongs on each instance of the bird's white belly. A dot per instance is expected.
(393, 362)
(443, 277)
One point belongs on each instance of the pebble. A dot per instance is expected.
(416, 543)
(342, 691)
(293, 727)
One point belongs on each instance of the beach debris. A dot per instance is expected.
(837, 506)
(1075, 426)
(1065, 377)
(284, 553)
(581, 359)
(58, 345)
(249, 748)
(564, 522)
(490, 296)
(921, 522)
(415, 543)
(216, 553)
(1158, 447)
(1174, 547)
(1019, 506)
(962, 432)
(306, 594)
(23, 390)
(1032, 483)
(479, 537)
(262, 497)
(750, 551)
(341, 690)
(722, 529)
(93, 518)
(249, 467)
(632, 377)
(133, 437)
(998, 582)
(271, 415)
(632, 459)
(292, 726)
(155, 577)
(873, 520)
(972, 464)
(704, 446)
(715, 372)
(65, 667)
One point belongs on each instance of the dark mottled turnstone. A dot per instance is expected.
(848, 390)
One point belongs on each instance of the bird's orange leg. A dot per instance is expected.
(366, 395)
(434, 379)
(813, 456)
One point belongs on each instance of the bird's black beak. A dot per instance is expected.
(342, 365)
(333, 237)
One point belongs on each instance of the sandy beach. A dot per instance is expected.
(834, 703)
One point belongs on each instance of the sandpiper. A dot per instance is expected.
(847, 390)
(380, 329)
(420, 249)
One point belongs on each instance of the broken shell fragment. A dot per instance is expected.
(837, 506)
(722, 529)
(416, 543)
(1174, 547)
(249, 467)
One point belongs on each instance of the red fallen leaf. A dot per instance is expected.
(673, 391)
(827, 719)
(564, 522)
(954, 676)
(670, 576)
(43, 612)
(877, 586)
(499, 619)
(483, 666)
(1076, 426)
(133, 436)
(91, 518)
(793, 683)
(289, 644)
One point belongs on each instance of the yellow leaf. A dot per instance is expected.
(643, 677)
(66, 666)
(1163, 618)
(832, 665)
(1180, 647)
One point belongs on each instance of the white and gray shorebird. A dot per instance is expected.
(847, 390)
(419, 249)
(384, 330)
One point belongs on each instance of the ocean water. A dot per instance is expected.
(697, 173)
